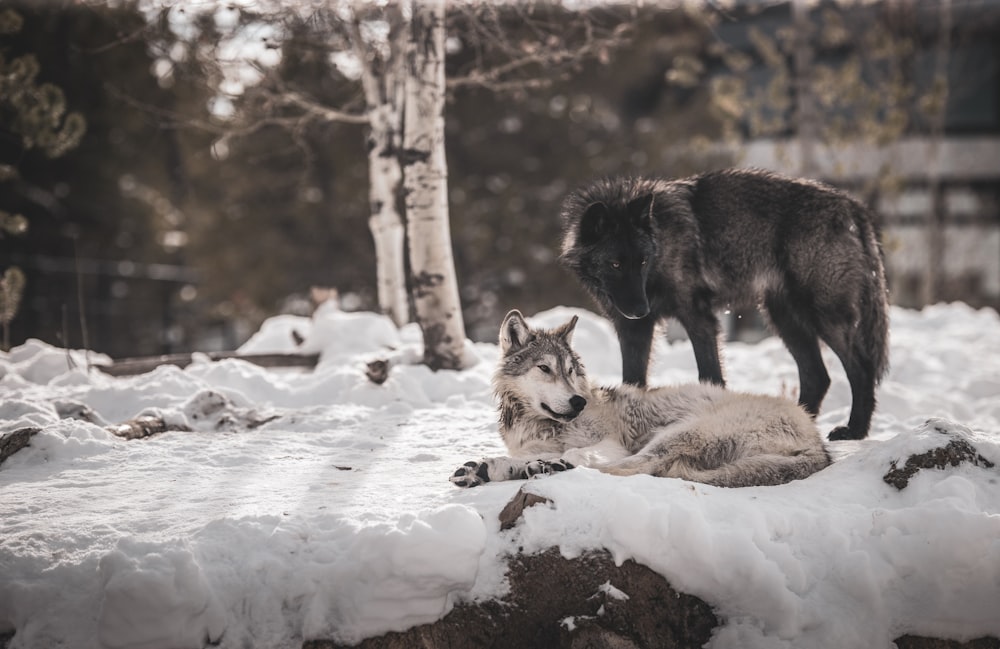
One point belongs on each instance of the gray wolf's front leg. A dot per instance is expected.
(475, 473)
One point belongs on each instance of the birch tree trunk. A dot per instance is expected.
(434, 284)
(382, 82)
(384, 182)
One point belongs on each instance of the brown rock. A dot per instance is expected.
(954, 453)
(512, 511)
(548, 591)
(16, 440)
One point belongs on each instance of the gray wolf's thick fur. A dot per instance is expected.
(806, 253)
(552, 419)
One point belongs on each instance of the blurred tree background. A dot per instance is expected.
(195, 204)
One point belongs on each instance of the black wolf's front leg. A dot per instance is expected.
(475, 473)
(703, 329)
(635, 338)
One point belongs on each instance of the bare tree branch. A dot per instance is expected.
(556, 45)
(317, 110)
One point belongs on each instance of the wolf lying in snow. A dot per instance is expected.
(552, 419)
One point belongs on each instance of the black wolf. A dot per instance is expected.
(806, 253)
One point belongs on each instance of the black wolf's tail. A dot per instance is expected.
(873, 341)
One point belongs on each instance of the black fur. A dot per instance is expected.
(806, 253)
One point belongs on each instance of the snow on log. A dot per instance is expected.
(131, 366)
(141, 427)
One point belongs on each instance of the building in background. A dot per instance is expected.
(903, 110)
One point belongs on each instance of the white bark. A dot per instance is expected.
(385, 223)
(434, 282)
(384, 98)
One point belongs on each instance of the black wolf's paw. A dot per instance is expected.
(471, 474)
(843, 432)
(543, 467)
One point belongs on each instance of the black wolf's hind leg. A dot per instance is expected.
(860, 369)
(861, 376)
(635, 337)
(802, 343)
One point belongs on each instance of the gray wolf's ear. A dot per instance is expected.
(514, 332)
(566, 331)
(640, 210)
(596, 223)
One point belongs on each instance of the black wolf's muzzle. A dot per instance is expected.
(634, 307)
(630, 300)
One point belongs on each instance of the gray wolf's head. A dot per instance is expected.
(610, 243)
(539, 369)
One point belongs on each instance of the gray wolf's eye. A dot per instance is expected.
(545, 368)
(643, 262)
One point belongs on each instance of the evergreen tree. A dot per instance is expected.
(33, 115)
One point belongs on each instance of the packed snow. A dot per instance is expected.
(316, 504)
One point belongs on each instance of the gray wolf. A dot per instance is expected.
(805, 253)
(553, 419)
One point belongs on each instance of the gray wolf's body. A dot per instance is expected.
(804, 252)
(552, 418)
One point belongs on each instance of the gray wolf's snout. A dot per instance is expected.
(576, 405)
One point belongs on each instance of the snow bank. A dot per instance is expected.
(840, 560)
(397, 577)
(156, 597)
(316, 504)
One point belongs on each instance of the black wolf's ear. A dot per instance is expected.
(596, 223)
(514, 332)
(640, 210)
(566, 331)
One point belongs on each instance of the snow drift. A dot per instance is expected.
(317, 504)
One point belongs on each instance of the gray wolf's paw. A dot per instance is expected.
(471, 474)
(541, 467)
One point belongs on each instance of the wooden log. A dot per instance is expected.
(142, 427)
(141, 365)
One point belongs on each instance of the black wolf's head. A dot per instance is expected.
(539, 372)
(609, 242)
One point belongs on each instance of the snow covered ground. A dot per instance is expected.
(317, 504)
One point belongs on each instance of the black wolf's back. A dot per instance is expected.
(823, 239)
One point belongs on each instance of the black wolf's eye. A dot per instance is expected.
(616, 265)
(545, 368)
